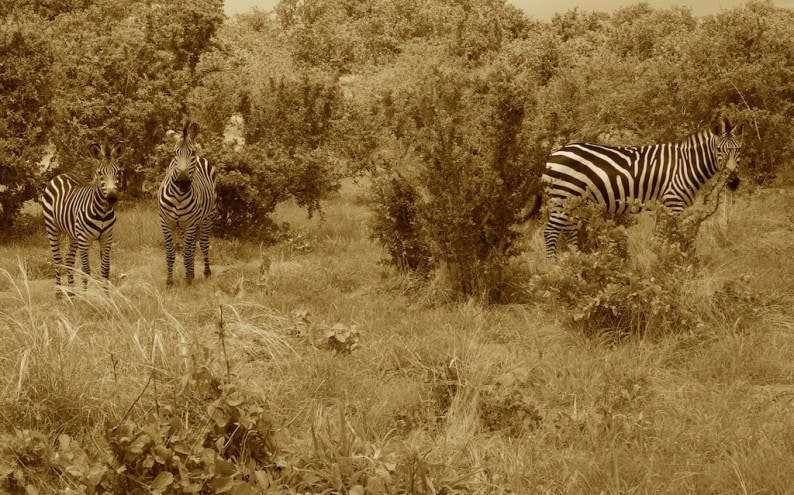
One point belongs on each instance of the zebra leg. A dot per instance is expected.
(104, 249)
(205, 246)
(572, 239)
(55, 248)
(551, 235)
(190, 252)
(169, 254)
(82, 245)
(70, 255)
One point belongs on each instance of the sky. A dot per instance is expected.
(544, 10)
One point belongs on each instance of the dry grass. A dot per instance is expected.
(484, 400)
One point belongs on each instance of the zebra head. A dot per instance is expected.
(184, 155)
(108, 173)
(728, 143)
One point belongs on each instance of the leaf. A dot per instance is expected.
(263, 479)
(235, 399)
(356, 490)
(376, 486)
(191, 488)
(64, 442)
(222, 484)
(162, 482)
(225, 468)
(162, 454)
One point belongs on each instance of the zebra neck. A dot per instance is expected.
(99, 205)
(698, 162)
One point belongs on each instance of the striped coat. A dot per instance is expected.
(83, 213)
(630, 179)
(187, 203)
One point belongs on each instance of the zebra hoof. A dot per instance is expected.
(207, 273)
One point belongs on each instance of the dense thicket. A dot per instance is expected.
(25, 65)
(451, 106)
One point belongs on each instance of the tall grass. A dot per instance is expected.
(439, 396)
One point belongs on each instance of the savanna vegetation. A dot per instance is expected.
(379, 321)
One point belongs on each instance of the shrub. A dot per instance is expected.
(395, 225)
(25, 65)
(253, 180)
(607, 292)
(452, 198)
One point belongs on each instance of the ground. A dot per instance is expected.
(432, 393)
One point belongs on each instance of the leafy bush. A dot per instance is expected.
(25, 64)
(607, 292)
(253, 180)
(395, 225)
(451, 203)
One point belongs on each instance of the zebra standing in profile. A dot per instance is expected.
(83, 213)
(187, 202)
(623, 179)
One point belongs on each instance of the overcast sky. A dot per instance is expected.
(544, 9)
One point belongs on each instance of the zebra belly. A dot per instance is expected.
(182, 222)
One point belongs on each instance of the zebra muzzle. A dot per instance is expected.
(182, 184)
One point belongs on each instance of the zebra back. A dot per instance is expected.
(632, 178)
(84, 210)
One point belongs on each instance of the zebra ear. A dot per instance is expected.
(172, 134)
(719, 127)
(118, 148)
(193, 129)
(96, 150)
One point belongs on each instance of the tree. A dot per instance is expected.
(25, 61)
(122, 72)
(458, 171)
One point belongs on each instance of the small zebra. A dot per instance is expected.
(628, 179)
(187, 202)
(83, 213)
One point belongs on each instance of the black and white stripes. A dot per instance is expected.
(624, 179)
(83, 213)
(187, 203)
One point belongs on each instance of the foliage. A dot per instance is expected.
(395, 224)
(25, 63)
(253, 180)
(607, 292)
(346, 35)
(162, 452)
(126, 81)
(295, 114)
(342, 339)
(453, 208)
(24, 458)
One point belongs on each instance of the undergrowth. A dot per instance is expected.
(607, 289)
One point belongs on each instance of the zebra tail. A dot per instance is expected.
(531, 210)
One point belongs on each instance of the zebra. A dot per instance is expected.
(187, 202)
(629, 179)
(83, 213)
